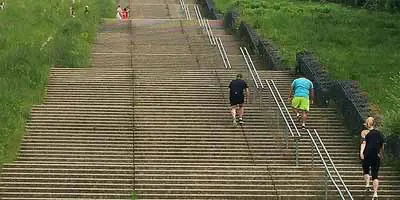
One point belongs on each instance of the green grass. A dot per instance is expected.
(26, 57)
(351, 43)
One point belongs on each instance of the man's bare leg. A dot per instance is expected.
(241, 113)
(304, 118)
(375, 183)
(298, 116)
(367, 179)
(233, 112)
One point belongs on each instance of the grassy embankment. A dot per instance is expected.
(351, 43)
(35, 35)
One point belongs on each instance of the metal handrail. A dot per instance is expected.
(197, 14)
(333, 165)
(188, 13)
(287, 110)
(202, 23)
(288, 126)
(220, 52)
(280, 108)
(212, 35)
(183, 7)
(226, 55)
(208, 33)
(248, 66)
(327, 168)
(254, 68)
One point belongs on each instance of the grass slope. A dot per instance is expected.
(35, 35)
(351, 43)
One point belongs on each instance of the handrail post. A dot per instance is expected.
(297, 150)
(312, 155)
(261, 97)
(326, 184)
(287, 137)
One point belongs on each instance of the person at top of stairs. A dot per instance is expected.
(302, 88)
(371, 153)
(119, 12)
(237, 97)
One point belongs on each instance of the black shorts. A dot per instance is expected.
(236, 100)
(373, 163)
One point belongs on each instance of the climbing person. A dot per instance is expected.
(303, 95)
(86, 9)
(125, 14)
(237, 97)
(119, 12)
(371, 154)
(72, 11)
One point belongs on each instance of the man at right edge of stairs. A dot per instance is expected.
(371, 154)
(302, 88)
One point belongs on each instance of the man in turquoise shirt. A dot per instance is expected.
(302, 88)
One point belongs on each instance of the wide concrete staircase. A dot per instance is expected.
(79, 143)
(150, 120)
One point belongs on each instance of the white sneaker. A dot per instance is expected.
(375, 196)
(234, 123)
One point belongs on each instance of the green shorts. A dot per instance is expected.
(302, 103)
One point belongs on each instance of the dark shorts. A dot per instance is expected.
(374, 164)
(236, 100)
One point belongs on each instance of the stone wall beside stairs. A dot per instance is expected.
(348, 97)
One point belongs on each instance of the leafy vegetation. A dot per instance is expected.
(388, 5)
(35, 35)
(351, 43)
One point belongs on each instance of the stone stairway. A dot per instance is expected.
(150, 119)
(337, 140)
(79, 143)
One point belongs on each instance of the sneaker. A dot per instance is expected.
(375, 196)
(367, 188)
(298, 117)
(241, 121)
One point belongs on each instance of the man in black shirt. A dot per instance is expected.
(371, 152)
(236, 97)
